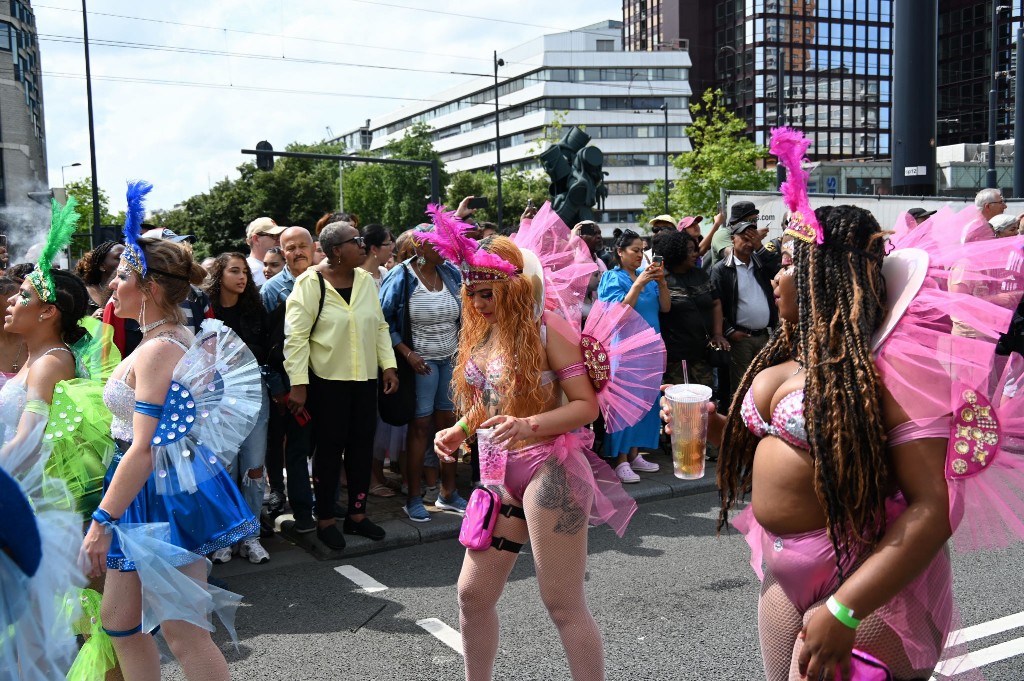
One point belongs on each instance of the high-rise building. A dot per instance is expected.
(22, 135)
(965, 72)
(837, 63)
(583, 75)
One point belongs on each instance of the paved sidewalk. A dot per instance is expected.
(288, 549)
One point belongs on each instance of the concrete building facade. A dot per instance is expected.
(585, 78)
(22, 132)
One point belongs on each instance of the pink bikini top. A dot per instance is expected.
(788, 423)
(787, 420)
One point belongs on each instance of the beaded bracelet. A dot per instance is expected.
(841, 612)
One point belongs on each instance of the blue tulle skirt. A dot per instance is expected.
(214, 517)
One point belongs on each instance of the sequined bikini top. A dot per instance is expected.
(787, 422)
(120, 398)
(481, 379)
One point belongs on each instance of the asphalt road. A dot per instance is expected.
(672, 600)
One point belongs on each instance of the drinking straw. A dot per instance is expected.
(686, 375)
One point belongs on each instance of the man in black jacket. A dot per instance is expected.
(748, 302)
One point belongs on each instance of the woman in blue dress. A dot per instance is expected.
(188, 508)
(647, 292)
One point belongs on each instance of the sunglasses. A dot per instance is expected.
(358, 239)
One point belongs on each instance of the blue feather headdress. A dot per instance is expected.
(62, 228)
(133, 255)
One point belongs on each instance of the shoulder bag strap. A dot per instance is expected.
(320, 307)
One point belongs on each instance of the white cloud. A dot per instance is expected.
(185, 138)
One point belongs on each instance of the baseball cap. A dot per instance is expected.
(662, 218)
(741, 227)
(1001, 223)
(689, 221)
(920, 213)
(169, 235)
(263, 225)
(740, 210)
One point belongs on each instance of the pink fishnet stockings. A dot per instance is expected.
(779, 624)
(557, 508)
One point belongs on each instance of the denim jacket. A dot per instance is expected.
(393, 298)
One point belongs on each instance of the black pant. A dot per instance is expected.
(344, 422)
(275, 448)
(297, 449)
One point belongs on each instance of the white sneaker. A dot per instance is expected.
(642, 465)
(254, 551)
(626, 474)
(430, 494)
(221, 555)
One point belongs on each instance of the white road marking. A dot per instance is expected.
(362, 580)
(984, 629)
(980, 658)
(443, 633)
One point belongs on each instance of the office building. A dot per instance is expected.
(965, 55)
(583, 74)
(22, 135)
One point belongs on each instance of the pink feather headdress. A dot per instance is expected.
(790, 147)
(451, 243)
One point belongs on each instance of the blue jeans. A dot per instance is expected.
(251, 455)
(434, 391)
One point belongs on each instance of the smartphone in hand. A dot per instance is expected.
(477, 202)
(303, 417)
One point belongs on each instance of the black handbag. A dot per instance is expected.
(399, 408)
(717, 357)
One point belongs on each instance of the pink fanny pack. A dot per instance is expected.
(864, 667)
(482, 511)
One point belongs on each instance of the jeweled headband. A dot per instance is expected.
(451, 243)
(133, 255)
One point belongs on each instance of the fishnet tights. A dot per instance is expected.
(779, 624)
(556, 508)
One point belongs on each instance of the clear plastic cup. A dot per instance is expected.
(689, 428)
(493, 458)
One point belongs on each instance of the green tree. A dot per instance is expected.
(81, 191)
(395, 195)
(722, 158)
(517, 188)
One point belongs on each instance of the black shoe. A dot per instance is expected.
(275, 503)
(303, 525)
(266, 526)
(331, 537)
(364, 528)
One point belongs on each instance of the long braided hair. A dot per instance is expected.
(841, 302)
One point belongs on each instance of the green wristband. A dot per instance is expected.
(465, 428)
(841, 612)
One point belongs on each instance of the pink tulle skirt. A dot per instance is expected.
(804, 566)
(592, 482)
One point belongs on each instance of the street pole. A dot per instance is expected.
(497, 133)
(341, 187)
(96, 236)
(993, 100)
(1018, 121)
(780, 119)
(665, 109)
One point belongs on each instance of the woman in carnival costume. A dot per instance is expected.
(860, 431)
(519, 354)
(60, 388)
(181, 406)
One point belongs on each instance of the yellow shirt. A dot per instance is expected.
(351, 339)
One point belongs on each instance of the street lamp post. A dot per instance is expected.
(497, 133)
(991, 180)
(664, 109)
(70, 165)
(92, 133)
(780, 102)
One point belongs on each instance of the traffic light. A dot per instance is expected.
(265, 161)
(577, 181)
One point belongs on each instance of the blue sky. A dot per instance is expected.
(155, 121)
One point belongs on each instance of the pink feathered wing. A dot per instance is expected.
(943, 347)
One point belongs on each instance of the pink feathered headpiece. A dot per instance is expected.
(451, 243)
(790, 146)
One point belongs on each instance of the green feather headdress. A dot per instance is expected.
(62, 228)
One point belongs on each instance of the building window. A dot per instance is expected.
(6, 35)
(605, 45)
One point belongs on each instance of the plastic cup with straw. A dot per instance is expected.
(689, 426)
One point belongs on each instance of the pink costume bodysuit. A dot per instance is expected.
(804, 564)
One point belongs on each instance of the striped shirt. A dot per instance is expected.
(435, 322)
